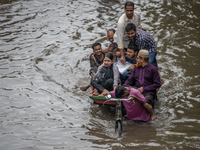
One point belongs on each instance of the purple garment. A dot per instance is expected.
(146, 77)
(134, 109)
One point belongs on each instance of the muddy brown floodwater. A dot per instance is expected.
(44, 51)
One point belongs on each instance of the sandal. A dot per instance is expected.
(154, 119)
(124, 117)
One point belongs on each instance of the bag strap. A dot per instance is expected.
(94, 59)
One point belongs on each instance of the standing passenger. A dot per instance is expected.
(112, 45)
(130, 16)
(143, 40)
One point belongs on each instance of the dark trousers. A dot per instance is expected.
(149, 99)
(108, 85)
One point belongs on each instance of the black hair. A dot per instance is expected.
(130, 26)
(129, 4)
(92, 70)
(95, 44)
(113, 30)
(109, 55)
(119, 91)
(133, 46)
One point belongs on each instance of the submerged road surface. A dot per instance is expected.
(44, 51)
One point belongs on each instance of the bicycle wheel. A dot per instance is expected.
(120, 129)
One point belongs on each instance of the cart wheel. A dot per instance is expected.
(116, 126)
(120, 129)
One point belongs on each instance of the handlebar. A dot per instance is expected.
(119, 99)
(108, 97)
(116, 99)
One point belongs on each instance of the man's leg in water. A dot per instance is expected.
(148, 106)
(84, 88)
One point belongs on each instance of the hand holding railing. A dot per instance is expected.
(109, 98)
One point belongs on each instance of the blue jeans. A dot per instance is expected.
(152, 59)
(124, 76)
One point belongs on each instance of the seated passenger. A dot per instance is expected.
(145, 77)
(107, 76)
(132, 52)
(96, 59)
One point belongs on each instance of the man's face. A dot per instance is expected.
(129, 12)
(131, 53)
(131, 34)
(110, 36)
(97, 50)
(126, 93)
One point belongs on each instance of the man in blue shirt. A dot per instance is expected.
(132, 52)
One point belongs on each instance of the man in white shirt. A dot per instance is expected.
(130, 16)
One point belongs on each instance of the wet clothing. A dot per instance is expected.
(94, 61)
(146, 77)
(122, 39)
(134, 109)
(103, 74)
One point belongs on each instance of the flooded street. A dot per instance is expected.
(44, 59)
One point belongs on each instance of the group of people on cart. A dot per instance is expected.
(141, 80)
